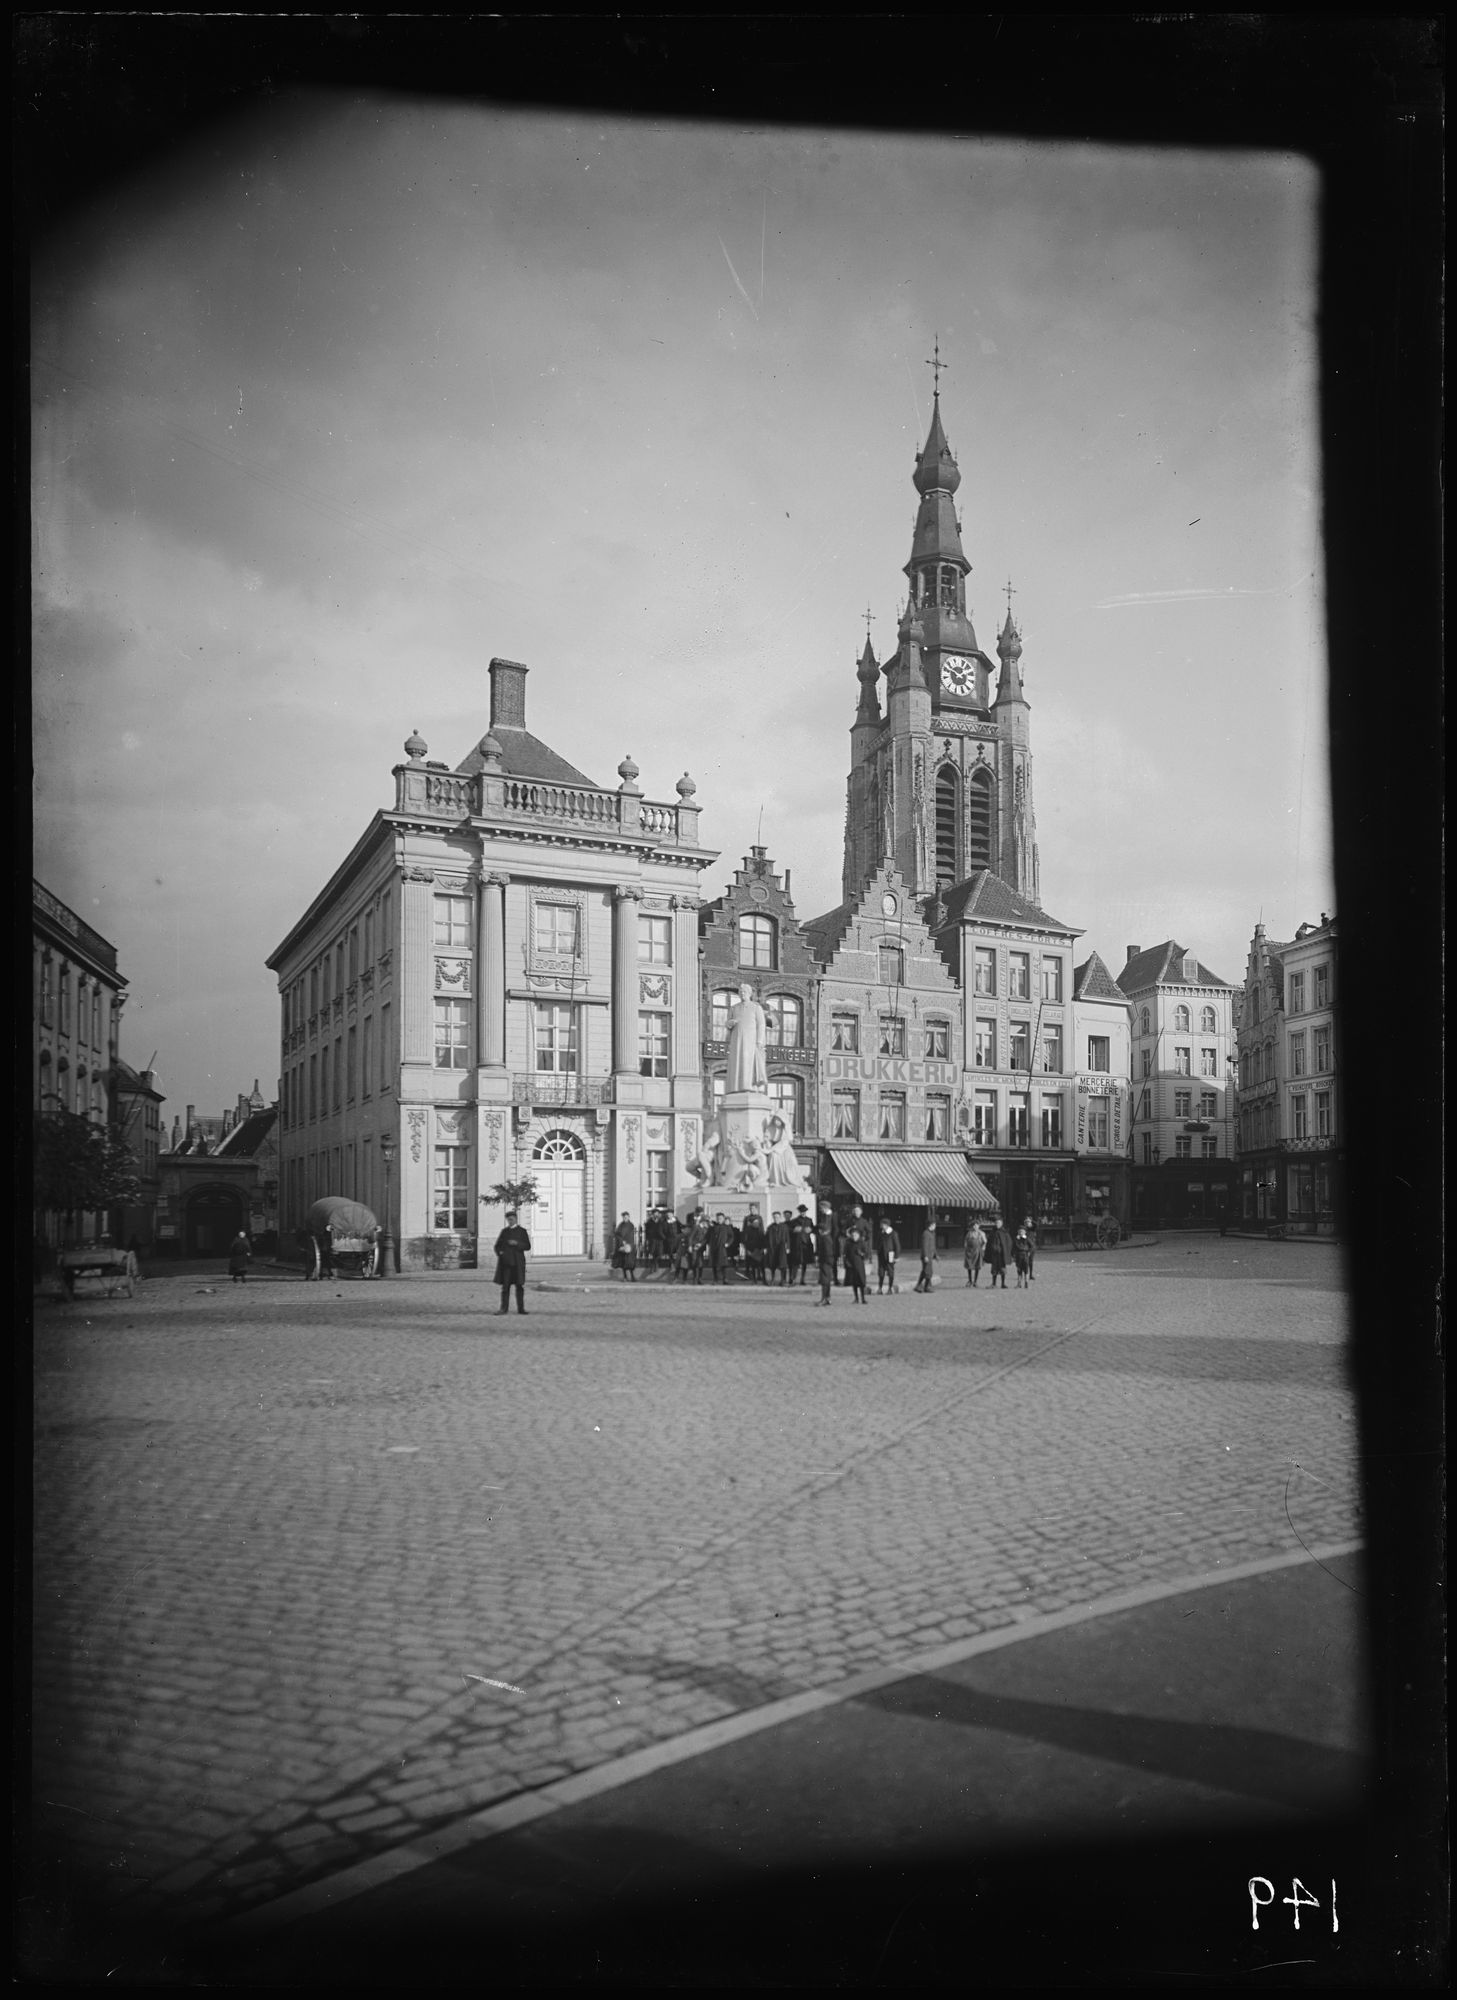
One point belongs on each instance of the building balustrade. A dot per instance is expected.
(453, 796)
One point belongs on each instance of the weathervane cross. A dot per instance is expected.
(936, 365)
(1010, 593)
(867, 624)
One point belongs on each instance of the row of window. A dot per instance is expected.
(1183, 1100)
(1259, 1124)
(1208, 1021)
(889, 1115)
(1295, 993)
(94, 1016)
(338, 967)
(80, 1090)
(1019, 1050)
(1019, 975)
(1183, 1062)
(1257, 1065)
(1183, 1148)
(339, 1072)
(890, 1036)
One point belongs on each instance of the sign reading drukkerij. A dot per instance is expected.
(887, 1069)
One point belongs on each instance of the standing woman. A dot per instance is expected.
(240, 1256)
(511, 1247)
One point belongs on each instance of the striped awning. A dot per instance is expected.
(912, 1177)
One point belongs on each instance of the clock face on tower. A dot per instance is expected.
(958, 675)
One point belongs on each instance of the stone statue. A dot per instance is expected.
(747, 1026)
(705, 1160)
(780, 1160)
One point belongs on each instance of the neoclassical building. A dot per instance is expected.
(77, 995)
(1289, 1110)
(500, 979)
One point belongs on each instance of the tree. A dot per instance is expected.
(511, 1194)
(80, 1168)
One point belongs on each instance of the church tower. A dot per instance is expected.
(941, 785)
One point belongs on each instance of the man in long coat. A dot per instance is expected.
(511, 1247)
(754, 1246)
(824, 1250)
(624, 1254)
(720, 1245)
(668, 1238)
(801, 1244)
(855, 1243)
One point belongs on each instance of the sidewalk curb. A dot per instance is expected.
(520, 1810)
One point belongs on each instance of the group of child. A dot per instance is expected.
(781, 1251)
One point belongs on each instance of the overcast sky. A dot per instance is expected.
(363, 392)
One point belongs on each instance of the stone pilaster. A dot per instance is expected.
(624, 981)
(491, 974)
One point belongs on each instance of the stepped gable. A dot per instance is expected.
(987, 897)
(1093, 981)
(908, 926)
(756, 886)
(1162, 964)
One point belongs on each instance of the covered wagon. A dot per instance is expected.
(340, 1235)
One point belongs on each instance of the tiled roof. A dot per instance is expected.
(987, 897)
(1159, 966)
(526, 756)
(245, 1139)
(1093, 981)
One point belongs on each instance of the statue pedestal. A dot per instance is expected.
(740, 1168)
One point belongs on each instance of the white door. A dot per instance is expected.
(560, 1169)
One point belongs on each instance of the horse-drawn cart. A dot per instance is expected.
(340, 1235)
(114, 1269)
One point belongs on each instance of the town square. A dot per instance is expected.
(701, 1175)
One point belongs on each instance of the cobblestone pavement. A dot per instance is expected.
(321, 1566)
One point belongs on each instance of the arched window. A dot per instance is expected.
(1181, 1020)
(721, 1005)
(978, 844)
(948, 844)
(559, 1148)
(1143, 1021)
(1207, 1021)
(756, 941)
(788, 1095)
(1269, 1062)
(784, 1016)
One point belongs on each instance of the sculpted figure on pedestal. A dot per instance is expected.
(747, 1027)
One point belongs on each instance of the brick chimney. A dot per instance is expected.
(1133, 950)
(508, 694)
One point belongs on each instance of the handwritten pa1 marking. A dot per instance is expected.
(1299, 1899)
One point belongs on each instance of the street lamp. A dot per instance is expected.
(387, 1154)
